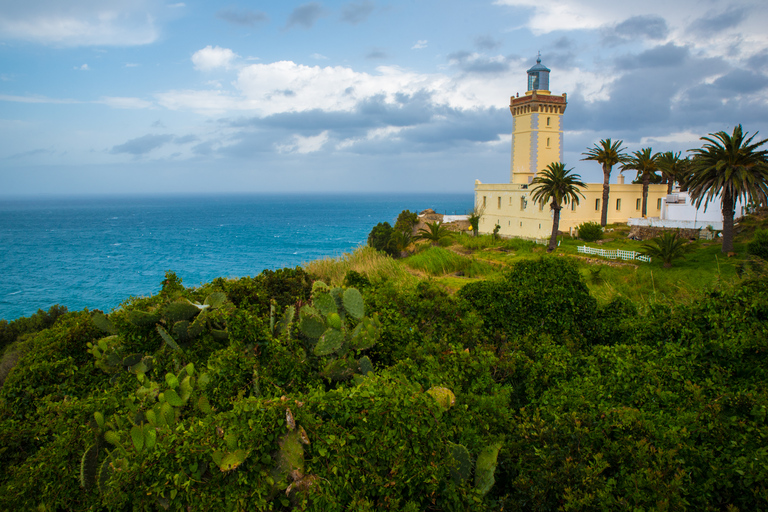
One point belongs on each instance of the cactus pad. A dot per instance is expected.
(366, 367)
(140, 318)
(89, 465)
(103, 323)
(329, 342)
(311, 324)
(168, 340)
(137, 436)
(179, 310)
(460, 463)
(353, 303)
(324, 303)
(486, 467)
(443, 396)
(215, 300)
(173, 398)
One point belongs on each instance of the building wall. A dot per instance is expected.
(510, 205)
(537, 136)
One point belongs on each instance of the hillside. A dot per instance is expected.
(538, 385)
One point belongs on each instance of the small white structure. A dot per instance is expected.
(679, 211)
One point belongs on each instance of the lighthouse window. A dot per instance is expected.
(499, 202)
(637, 204)
(618, 205)
(547, 125)
(597, 204)
(547, 141)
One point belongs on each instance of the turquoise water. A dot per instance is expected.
(96, 252)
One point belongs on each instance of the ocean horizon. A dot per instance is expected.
(97, 251)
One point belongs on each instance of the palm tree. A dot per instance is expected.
(607, 154)
(558, 184)
(399, 241)
(435, 233)
(672, 168)
(667, 247)
(730, 166)
(645, 162)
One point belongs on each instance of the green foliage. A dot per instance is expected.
(435, 233)
(379, 237)
(337, 329)
(437, 261)
(758, 246)
(537, 296)
(667, 247)
(590, 231)
(406, 220)
(516, 394)
(558, 186)
(11, 331)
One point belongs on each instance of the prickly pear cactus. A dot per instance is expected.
(460, 463)
(336, 325)
(443, 396)
(486, 467)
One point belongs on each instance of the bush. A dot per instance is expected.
(379, 237)
(759, 244)
(406, 221)
(590, 231)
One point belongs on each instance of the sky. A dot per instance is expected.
(102, 97)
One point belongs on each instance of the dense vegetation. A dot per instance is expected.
(523, 391)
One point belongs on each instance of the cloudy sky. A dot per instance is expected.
(149, 96)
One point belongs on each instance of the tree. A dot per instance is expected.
(435, 232)
(607, 154)
(379, 237)
(667, 247)
(474, 219)
(645, 162)
(672, 168)
(556, 183)
(399, 241)
(406, 221)
(732, 167)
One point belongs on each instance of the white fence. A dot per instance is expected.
(613, 254)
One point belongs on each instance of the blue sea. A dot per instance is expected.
(96, 252)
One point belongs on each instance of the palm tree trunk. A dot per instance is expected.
(646, 183)
(555, 226)
(606, 190)
(727, 222)
(670, 185)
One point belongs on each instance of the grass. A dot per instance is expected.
(437, 261)
(471, 258)
(365, 260)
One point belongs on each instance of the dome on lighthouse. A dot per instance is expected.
(538, 76)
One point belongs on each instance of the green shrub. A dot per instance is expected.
(379, 237)
(406, 221)
(758, 246)
(538, 296)
(590, 231)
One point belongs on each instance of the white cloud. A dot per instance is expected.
(124, 103)
(318, 56)
(210, 58)
(687, 137)
(80, 22)
(305, 145)
(84, 67)
(682, 17)
(203, 102)
(421, 43)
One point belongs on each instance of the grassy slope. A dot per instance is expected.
(466, 259)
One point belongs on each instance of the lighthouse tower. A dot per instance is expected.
(537, 133)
